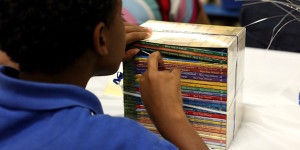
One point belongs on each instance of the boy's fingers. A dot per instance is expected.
(177, 73)
(129, 29)
(136, 36)
(135, 33)
(130, 54)
(127, 24)
(153, 60)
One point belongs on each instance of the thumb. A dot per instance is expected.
(176, 73)
(130, 54)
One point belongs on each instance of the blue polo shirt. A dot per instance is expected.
(36, 115)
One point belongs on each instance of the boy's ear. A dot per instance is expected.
(100, 43)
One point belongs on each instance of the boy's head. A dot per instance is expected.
(48, 36)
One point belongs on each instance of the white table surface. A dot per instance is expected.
(271, 101)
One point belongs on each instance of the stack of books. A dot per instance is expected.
(211, 62)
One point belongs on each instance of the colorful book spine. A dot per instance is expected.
(184, 55)
(203, 84)
(216, 52)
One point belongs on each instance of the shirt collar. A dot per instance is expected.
(21, 94)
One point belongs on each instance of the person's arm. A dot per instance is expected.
(5, 61)
(161, 95)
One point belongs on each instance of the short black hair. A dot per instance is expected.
(48, 35)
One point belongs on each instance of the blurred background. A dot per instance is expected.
(270, 24)
(223, 12)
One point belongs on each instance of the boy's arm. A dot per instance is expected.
(161, 95)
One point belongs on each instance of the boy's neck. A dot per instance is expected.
(77, 74)
(73, 77)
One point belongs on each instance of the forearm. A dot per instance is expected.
(161, 94)
(177, 129)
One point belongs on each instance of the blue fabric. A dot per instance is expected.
(56, 116)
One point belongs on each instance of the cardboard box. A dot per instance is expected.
(214, 48)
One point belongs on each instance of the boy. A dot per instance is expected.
(59, 45)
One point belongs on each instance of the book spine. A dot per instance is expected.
(204, 93)
(203, 78)
(192, 75)
(147, 120)
(196, 83)
(215, 141)
(189, 63)
(210, 130)
(129, 101)
(203, 82)
(197, 100)
(207, 122)
(204, 86)
(206, 105)
(181, 51)
(188, 68)
(213, 106)
(206, 101)
(203, 89)
(188, 112)
(208, 127)
(192, 49)
(204, 75)
(205, 59)
(189, 95)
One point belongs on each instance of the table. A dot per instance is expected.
(271, 101)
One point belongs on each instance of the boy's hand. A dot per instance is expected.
(134, 33)
(161, 95)
(5, 61)
(160, 90)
